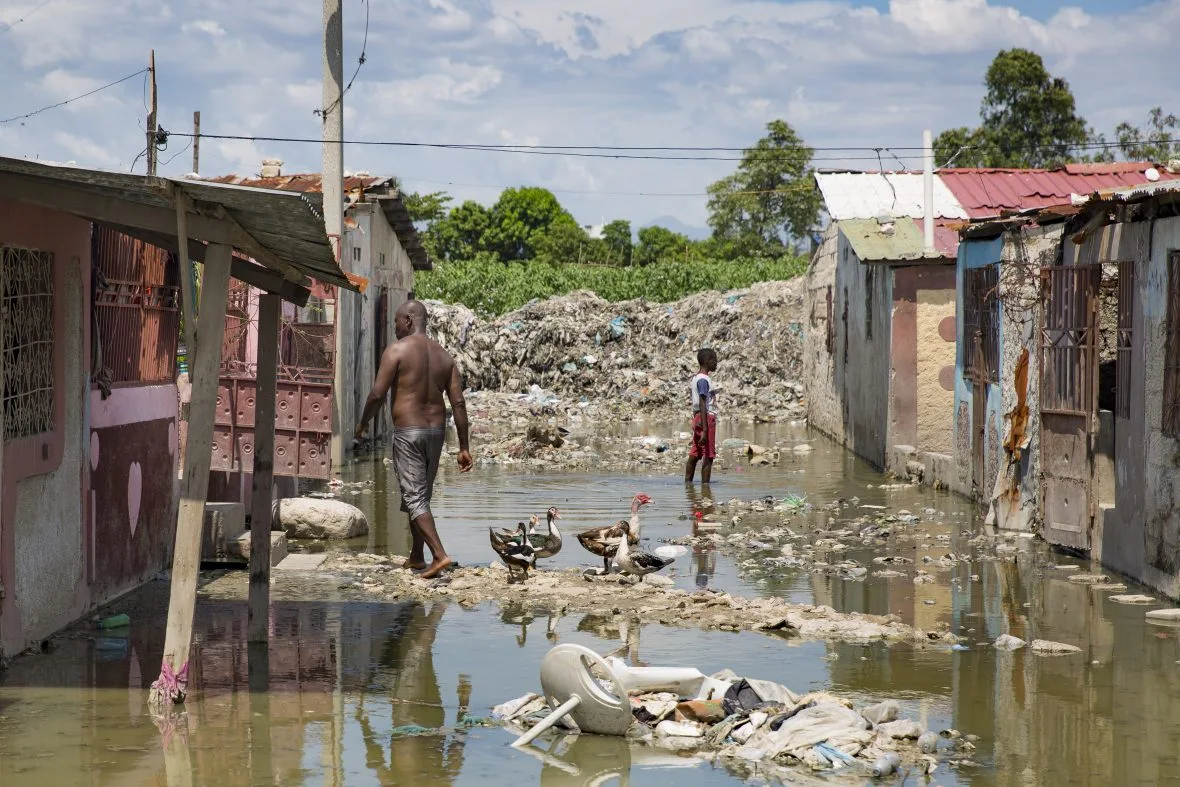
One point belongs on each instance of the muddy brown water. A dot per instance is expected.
(347, 676)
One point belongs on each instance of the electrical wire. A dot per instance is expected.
(360, 62)
(625, 152)
(177, 153)
(23, 18)
(28, 115)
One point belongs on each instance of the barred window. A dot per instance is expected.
(26, 301)
(136, 309)
(1122, 363)
(981, 324)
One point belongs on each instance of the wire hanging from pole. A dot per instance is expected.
(360, 62)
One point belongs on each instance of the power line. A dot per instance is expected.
(26, 16)
(360, 62)
(644, 153)
(28, 115)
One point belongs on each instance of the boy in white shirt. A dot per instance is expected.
(704, 419)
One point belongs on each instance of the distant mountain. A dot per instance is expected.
(676, 225)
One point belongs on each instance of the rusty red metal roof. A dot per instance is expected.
(987, 193)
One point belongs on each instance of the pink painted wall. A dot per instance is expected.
(88, 510)
(43, 548)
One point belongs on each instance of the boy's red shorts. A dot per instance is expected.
(704, 441)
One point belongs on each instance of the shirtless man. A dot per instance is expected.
(419, 371)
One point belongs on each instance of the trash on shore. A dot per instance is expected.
(579, 354)
(724, 717)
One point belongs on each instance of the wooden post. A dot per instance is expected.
(197, 142)
(269, 306)
(187, 299)
(151, 118)
(190, 518)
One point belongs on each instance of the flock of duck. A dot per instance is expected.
(521, 548)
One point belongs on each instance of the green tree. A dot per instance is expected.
(1156, 143)
(657, 244)
(460, 235)
(617, 237)
(770, 200)
(426, 208)
(519, 219)
(562, 243)
(1029, 118)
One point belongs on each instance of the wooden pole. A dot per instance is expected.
(151, 118)
(197, 141)
(269, 307)
(186, 555)
(187, 297)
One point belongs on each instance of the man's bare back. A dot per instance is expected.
(422, 373)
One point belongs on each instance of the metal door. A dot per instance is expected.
(979, 440)
(1069, 392)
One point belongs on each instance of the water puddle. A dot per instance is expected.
(366, 693)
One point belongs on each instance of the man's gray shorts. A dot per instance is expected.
(416, 452)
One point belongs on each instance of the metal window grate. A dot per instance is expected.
(1069, 350)
(136, 308)
(1171, 424)
(981, 324)
(26, 302)
(1122, 390)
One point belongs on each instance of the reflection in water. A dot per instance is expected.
(345, 682)
(705, 555)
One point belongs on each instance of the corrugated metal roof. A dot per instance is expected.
(867, 195)
(1147, 190)
(900, 240)
(993, 192)
(286, 226)
(382, 187)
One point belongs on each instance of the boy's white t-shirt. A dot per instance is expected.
(710, 393)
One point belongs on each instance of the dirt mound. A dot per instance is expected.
(637, 354)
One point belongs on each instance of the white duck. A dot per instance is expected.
(638, 563)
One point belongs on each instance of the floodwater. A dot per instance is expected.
(346, 677)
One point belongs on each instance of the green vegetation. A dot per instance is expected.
(491, 287)
(1029, 119)
(526, 245)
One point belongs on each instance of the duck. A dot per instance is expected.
(549, 544)
(638, 563)
(516, 553)
(604, 541)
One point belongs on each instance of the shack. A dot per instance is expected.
(90, 300)
(879, 367)
(1134, 233)
(1010, 345)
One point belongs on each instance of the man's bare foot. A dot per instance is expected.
(437, 567)
(414, 565)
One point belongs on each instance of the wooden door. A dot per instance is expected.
(1069, 401)
(979, 441)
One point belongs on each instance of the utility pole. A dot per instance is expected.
(151, 118)
(332, 183)
(197, 141)
(928, 188)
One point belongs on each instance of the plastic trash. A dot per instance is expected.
(110, 643)
(885, 765)
(882, 712)
(834, 755)
(928, 742)
(679, 729)
(115, 621)
(410, 730)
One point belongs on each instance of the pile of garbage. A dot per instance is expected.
(749, 721)
(636, 356)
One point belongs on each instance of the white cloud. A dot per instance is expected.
(589, 72)
(206, 26)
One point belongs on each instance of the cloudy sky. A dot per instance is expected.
(556, 72)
